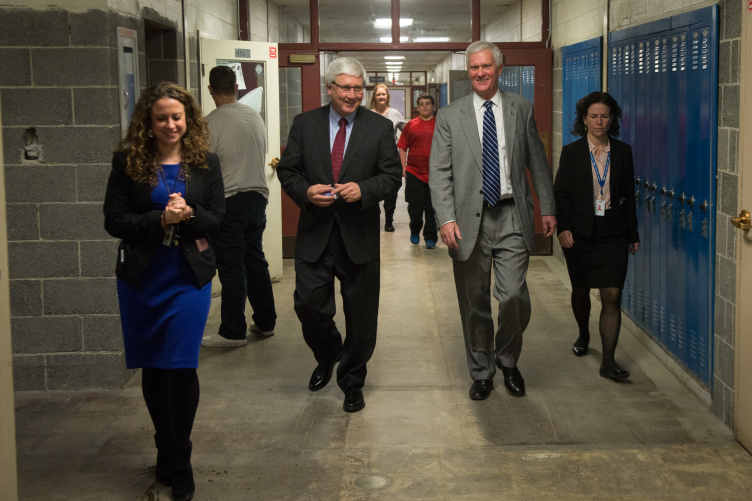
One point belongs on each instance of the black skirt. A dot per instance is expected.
(601, 260)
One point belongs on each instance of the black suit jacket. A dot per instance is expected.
(371, 160)
(573, 190)
(129, 214)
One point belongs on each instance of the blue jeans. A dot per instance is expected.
(242, 266)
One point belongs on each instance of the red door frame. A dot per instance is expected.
(535, 54)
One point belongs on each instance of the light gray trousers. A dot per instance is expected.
(501, 243)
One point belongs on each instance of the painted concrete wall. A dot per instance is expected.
(60, 76)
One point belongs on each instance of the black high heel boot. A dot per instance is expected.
(183, 486)
(164, 459)
(580, 347)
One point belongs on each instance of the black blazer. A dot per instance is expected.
(129, 214)
(573, 190)
(371, 160)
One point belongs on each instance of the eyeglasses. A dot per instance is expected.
(346, 89)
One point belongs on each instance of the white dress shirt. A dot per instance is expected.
(480, 110)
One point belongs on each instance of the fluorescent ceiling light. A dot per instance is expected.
(385, 22)
(394, 57)
(431, 39)
(389, 39)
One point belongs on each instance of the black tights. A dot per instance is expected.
(171, 396)
(610, 321)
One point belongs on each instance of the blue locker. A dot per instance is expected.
(581, 75)
(664, 75)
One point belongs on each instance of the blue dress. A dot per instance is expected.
(163, 319)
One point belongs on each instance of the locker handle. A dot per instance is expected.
(637, 181)
(670, 194)
(646, 185)
(680, 198)
(704, 205)
(744, 221)
(653, 187)
(663, 191)
(691, 202)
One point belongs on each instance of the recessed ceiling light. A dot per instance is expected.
(431, 39)
(389, 39)
(386, 22)
(394, 57)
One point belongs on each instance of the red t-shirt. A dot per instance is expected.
(416, 140)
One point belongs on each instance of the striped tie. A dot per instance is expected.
(491, 171)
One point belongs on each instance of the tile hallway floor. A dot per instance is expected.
(261, 435)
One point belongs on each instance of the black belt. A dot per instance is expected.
(503, 201)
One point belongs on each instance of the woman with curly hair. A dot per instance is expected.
(164, 199)
(595, 209)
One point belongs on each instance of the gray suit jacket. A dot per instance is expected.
(456, 168)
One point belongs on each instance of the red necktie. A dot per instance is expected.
(338, 150)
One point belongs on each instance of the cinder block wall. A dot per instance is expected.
(577, 20)
(59, 75)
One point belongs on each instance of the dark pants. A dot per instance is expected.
(315, 306)
(418, 198)
(390, 204)
(242, 266)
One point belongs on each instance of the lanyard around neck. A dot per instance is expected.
(601, 181)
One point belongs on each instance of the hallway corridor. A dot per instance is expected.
(261, 435)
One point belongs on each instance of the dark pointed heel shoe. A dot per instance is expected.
(615, 373)
(580, 347)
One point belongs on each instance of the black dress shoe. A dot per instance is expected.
(614, 373)
(388, 227)
(580, 347)
(322, 374)
(513, 381)
(353, 401)
(481, 389)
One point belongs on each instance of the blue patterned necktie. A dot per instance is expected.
(491, 171)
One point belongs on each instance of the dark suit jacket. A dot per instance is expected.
(573, 190)
(129, 214)
(371, 160)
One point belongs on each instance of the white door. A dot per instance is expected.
(743, 331)
(255, 64)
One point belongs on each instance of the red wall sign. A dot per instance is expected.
(273, 51)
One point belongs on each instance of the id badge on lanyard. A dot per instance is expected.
(600, 204)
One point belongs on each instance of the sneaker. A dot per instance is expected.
(430, 244)
(414, 238)
(252, 328)
(215, 340)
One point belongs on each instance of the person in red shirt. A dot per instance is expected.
(414, 149)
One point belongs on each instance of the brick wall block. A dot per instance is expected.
(35, 28)
(37, 106)
(103, 333)
(80, 296)
(74, 66)
(91, 182)
(16, 67)
(89, 28)
(29, 373)
(43, 259)
(33, 335)
(22, 219)
(82, 371)
(40, 183)
(96, 106)
(25, 298)
(72, 222)
(98, 258)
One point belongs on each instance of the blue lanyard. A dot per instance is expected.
(605, 171)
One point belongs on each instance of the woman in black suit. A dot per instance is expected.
(164, 199)
(597, 221)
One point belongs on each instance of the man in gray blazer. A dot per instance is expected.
(484, 207)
